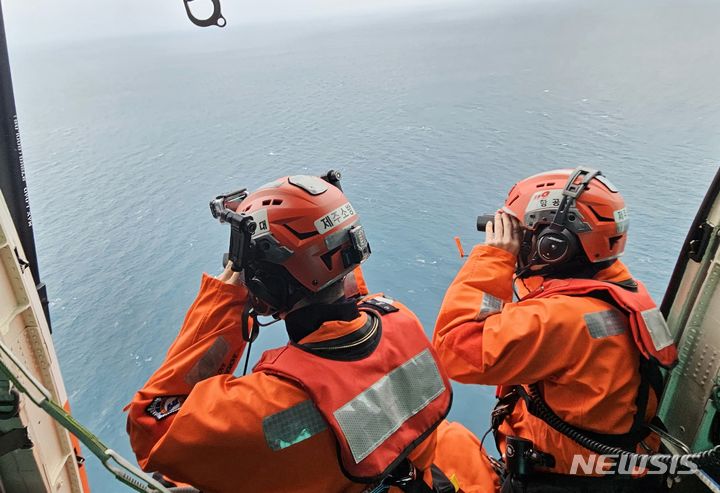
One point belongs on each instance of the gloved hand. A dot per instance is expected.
(228, 276)
(506, 233)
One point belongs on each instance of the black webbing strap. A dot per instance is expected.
(441, 483)
(650, 378)
(627, 441)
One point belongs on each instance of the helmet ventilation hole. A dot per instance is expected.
(599, 217)
(327, 257)
(267, 202)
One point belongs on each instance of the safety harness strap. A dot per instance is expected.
(649, 378)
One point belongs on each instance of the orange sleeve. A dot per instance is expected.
(459, 453)
(482, 337)
(210, 343)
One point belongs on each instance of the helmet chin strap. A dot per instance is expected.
(256, 307)
(251, 329)
(523, 271)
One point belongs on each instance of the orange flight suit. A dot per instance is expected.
(197, 423)
(590, 382)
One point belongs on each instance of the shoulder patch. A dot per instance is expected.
(381, 304)
(605, 323)
(293, 425)
(162, 407)
(489, 306)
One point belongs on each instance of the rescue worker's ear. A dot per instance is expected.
(556, 246)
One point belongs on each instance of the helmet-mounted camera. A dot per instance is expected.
(242, 226)
(359, 249)
(221, 204)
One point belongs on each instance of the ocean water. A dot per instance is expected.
(431, 116)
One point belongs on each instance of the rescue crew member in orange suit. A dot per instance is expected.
(582, 334)
(355, 401)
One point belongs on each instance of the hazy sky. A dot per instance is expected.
(42, 21)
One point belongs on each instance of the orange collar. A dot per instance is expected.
(617, 272)
(334, 329)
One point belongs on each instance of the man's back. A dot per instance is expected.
(256, 433)
(579, 349)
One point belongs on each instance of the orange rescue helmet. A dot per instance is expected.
(597, 217)
(305, 227)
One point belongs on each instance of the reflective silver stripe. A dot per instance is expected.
(293, 425)
(605, 323)
(490, 304)
(380, 410)
(659, 331)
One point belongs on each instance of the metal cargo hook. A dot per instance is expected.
(214, 19)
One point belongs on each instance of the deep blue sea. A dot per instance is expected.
(431, 116)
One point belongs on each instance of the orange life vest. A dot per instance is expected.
(379, 407)
(650, 332)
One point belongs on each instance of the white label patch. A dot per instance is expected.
(261, 220)
(338, 216)
(622, 220)
(490, 305)
(659, 331)
(545, 199)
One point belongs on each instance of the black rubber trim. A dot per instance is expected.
(683, 257)
(13, 182)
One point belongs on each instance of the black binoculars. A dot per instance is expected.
(483, 220)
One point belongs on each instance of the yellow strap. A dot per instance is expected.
(455, 482)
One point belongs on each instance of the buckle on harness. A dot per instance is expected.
(405, 477)
(402, 476)
(505, 406)
(500, 413)
(521, 458)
